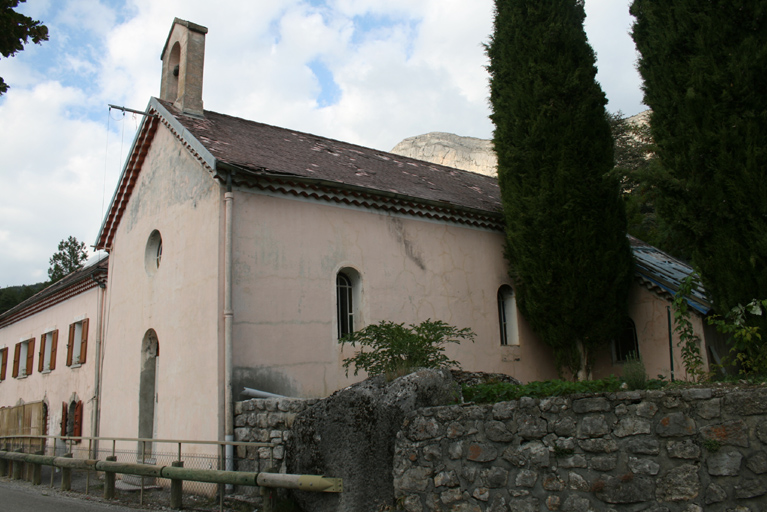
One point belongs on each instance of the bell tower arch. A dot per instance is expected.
(183, 60)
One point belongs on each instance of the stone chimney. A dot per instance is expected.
(183, 58)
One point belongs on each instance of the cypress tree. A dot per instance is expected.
(566, 225)
(704, 65)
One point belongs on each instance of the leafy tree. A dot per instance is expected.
(11, 296)
(704, 65)
(16, 30)
(70, 257)
(565, 221)
(394, 349)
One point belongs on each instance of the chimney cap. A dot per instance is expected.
(188, 24)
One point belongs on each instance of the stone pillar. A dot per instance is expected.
(176, 487)
(66, 475)
(109, 480)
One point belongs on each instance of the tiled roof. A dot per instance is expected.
(70, 285)
(665, 273)
(266, 149)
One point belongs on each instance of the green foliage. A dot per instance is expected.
(712, 445)
(747, 346)
(504, 391)
(565, 221)
(14, 295)
(704, 65)
(394, 349)
(15, 31)
(70, 257)
(634, 373)
(688, 340)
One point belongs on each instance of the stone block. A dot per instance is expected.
(504, 410)
(498, 505)
(450, 496)
(529, 504)
(643, 466)
(432, 453)
(565, 427)
(686, 449)
(482, 452)
(751, 488)
(603, 463)
(592, 426)
(455, 450)
(577, 482)
(630, 396)
(574, 461)
(631, 426)
(709, 409)
(757, 463)
(422, 428)
(238, 408)
(526, 478)
(469, 473)
(605, 445)
(746, 403)
(622, 490)
(643, 446)
(412, 503)
(681, 483)
(551, 482)
(494, 477)
(454, 430)
(734, 433)
(575, 503)
(415, 479)
(497, 431)
(724, 463)
(761, 431)
(587, 405)
(481, 494)
(714, 494)
(530, 426)
(553, 502)
(646, 409)
(446, 479)
(697, 394)
(533, 454)
(676, 424)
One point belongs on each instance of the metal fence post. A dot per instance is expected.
(66, 475)
(176, 487)
(109, 481)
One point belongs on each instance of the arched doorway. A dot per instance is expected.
(150, 350)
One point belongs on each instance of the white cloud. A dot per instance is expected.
(418, 67)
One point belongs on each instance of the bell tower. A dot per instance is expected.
(183, 59)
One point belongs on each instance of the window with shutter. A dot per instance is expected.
(54, 347)
(30, 356)
(70, 343)
(78, 427)
(3, 362)
(16, 358)
(63, 419)
(41, 355)
(83, 342)
(47, 355)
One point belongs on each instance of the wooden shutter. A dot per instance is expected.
(78, 430)
(54, 346)
(70, 344)
(63, 419)
(4, 356)
(41, 355)
(16, 356)
(84, 342)
(30, 356)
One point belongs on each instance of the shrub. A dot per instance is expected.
(504, 391)
(634, 373)
(394, 349)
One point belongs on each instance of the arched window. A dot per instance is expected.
(626, 345)
(507, 316)
(344, 304)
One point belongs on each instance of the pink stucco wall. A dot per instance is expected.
(181, 301)
(64, 383)
(287, 255)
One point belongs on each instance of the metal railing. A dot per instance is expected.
(146, 463)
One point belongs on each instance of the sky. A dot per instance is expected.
(369, 72)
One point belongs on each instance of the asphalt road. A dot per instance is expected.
(23, 497)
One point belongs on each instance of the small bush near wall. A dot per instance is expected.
(657, 451)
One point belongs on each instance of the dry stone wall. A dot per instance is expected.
(657, 451)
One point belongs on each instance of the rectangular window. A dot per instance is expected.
(24, 358)
(4, 362)
(48, 344)
(77, 347)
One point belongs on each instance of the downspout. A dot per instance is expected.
(670, 342)
(228, 320)
(96, 411)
